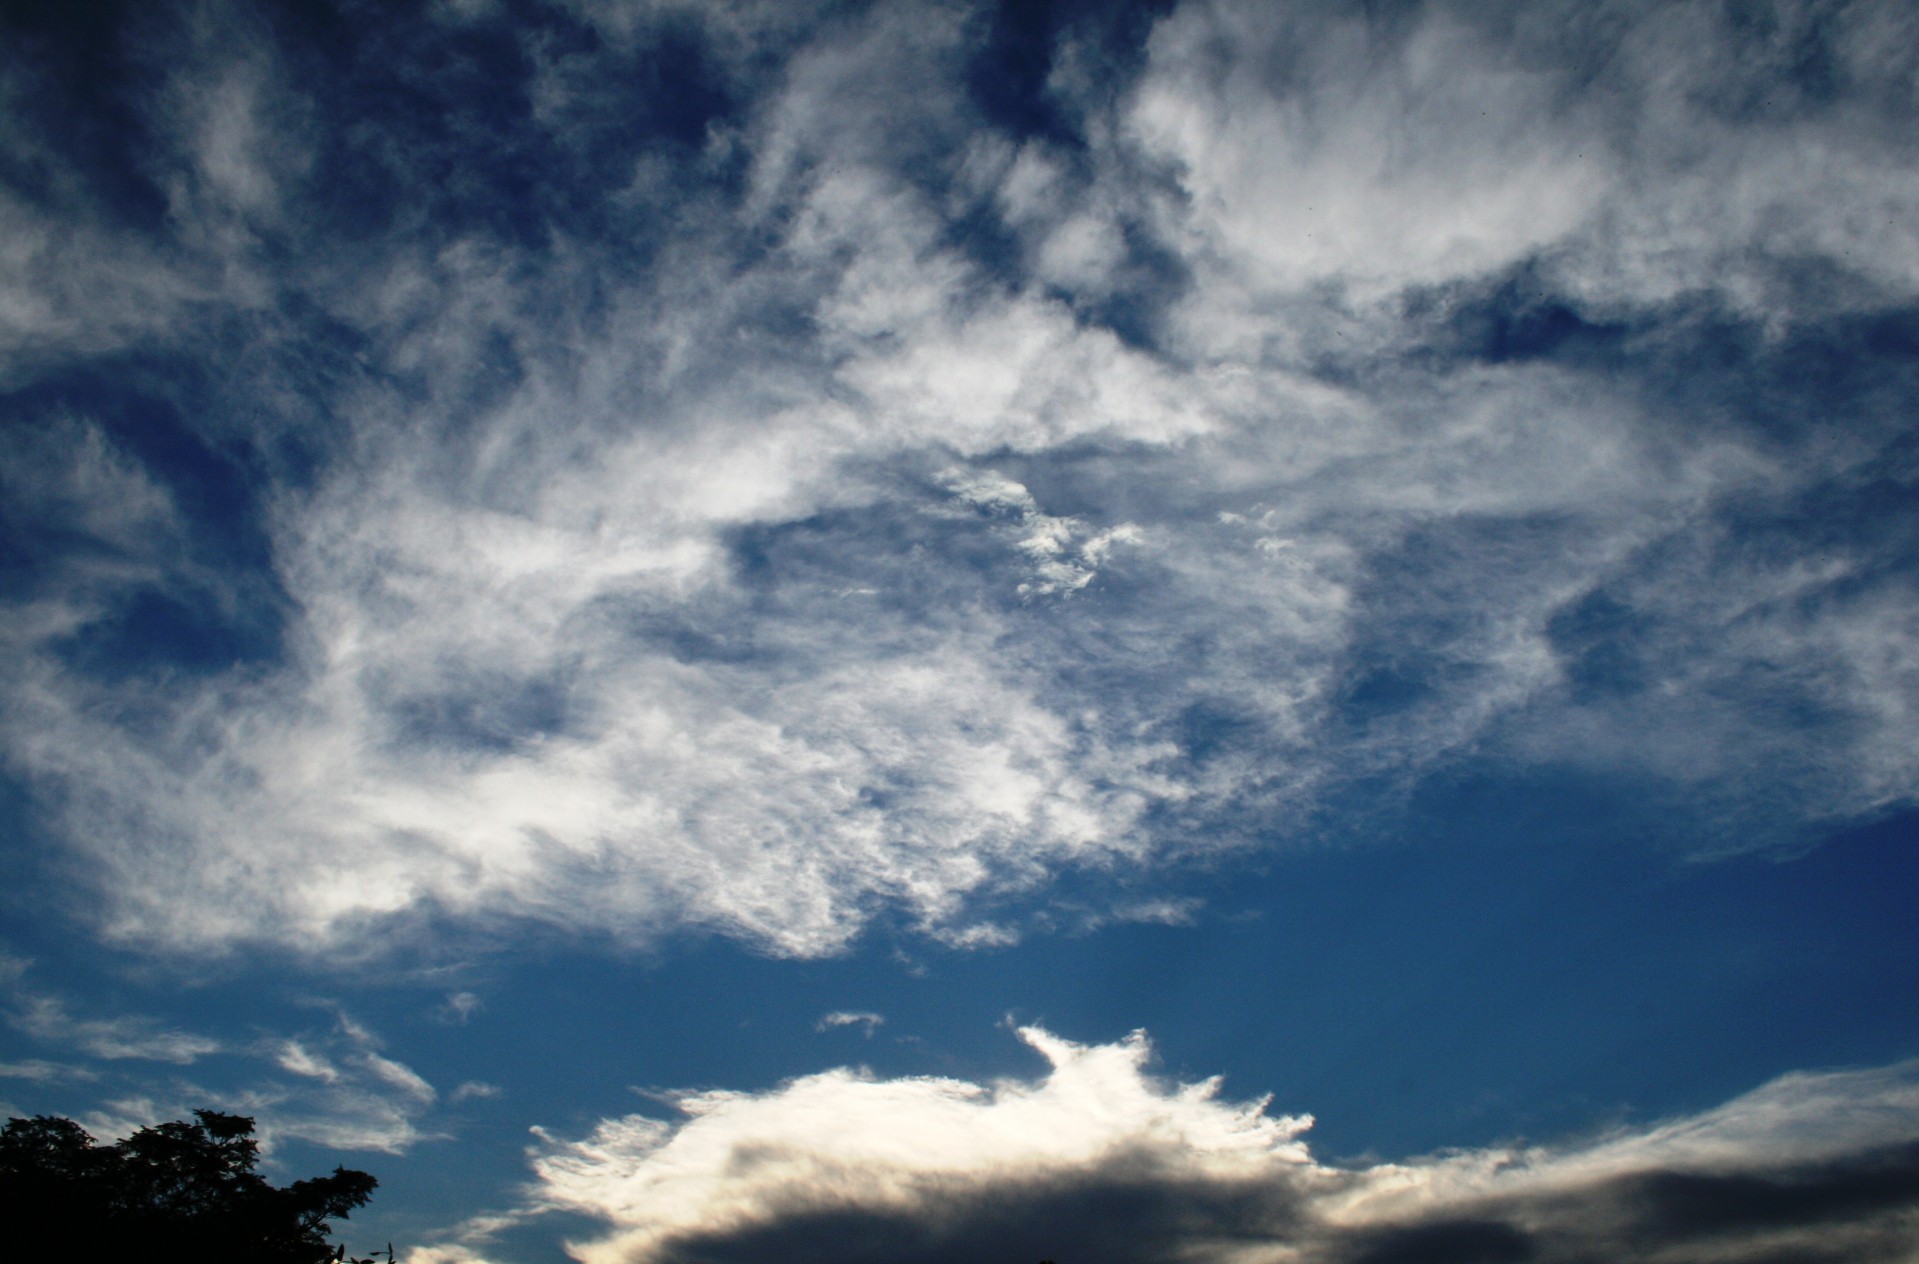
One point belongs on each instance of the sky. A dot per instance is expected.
(704, 631)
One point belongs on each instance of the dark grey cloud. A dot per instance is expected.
(1855, 1207)
(1108, 1214)
(1861, 1207)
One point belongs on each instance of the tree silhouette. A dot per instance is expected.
(176, 1191)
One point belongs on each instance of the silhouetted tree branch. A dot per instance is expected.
(176, 1191)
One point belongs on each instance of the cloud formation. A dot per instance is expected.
(1100, 1159)
(47, 1018)
(820, 496)
(332, 1087)
(865, 1020)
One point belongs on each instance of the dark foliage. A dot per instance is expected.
(177, 1191)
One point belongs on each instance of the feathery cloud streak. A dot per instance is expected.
(570, 496)
(333, 1086)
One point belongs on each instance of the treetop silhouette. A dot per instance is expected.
(175, 1191)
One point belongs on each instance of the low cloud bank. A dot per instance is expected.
(1100, 1160)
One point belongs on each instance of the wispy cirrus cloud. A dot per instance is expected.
(459, 1008)
(132, 1036)
(345, 1093)
(41, 1070)
(866, 1020)
(841, 504)
(332, 1087)
(1101, 1157)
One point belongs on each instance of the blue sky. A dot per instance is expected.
(707, 631)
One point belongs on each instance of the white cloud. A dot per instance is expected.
(295, 1057)
(42, 1071)
(1160, 912)
(739, 1158)
(459, 1008)
(346, 1094)
(77, 280)
(359, 1117)
(70, 475)
(125, 1037)
(123, 1116)
(564, 631)
(1636, 162)
(342, 1092)
(1316, 144)
(232, 150)
(1063, 554)
(399, 1076)
(1800, 1118)
(865, 1020)
(444, 1253)
(1215, 1177)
